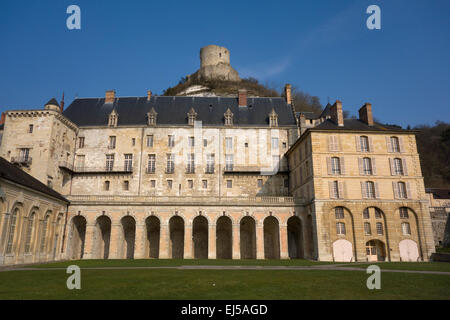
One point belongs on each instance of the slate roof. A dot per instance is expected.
(10, 172)
(326, 111)
(356, 125)
(439, 193)
(53, 101)
(173, 110)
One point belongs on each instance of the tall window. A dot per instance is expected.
(210, 163)
(229, 162)
(367, 166)
(150, 140)
(30, 128)
(364, 141)
(395, 143)
(370, 190)
(377, 213)
(274, 143)
(340, 228)
(191, 141)
(366, 214)
(379, 228)
(128, 165)
(335, 165)
(81, 142)
(24, 154)
(229, 184)
(398, 166)
(205, 184)
(170, 163)
(29, 233)
(169, 184)
(190, 163)
(109, 162)
(133, 141)
(11, 231)
(106, 186)
(126, 185)
(367, 230)
(151, 163)
(339, 212)
(335, 189)
(43, 236)
(171, 141)
(190, 184)
(260, 183)
(112, 142)
(404, 213)
(229, 143)
(406, 229)
(402, 194)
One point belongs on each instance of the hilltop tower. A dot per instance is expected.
(215, 64)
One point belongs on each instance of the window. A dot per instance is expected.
(151, 163)
(205, 184)
(150, 140)
(210, 163)
(152, 183)
(379, 228)
(112, 142)
(364, 141)
(246, 144)
(191, 142)
(30, 128)
(274, 143)
(30, 226)
(43, 236)
(398, 167)
(190, 163)
(395, 143)
(171, 141)
(367, 166)
(370, 190)
(169, 184)
(109, 162)
(260, 183)
(284, 145)
(106, 185)
(229, 143)
(229, 162)
(205, 143)
(126, 185)
(11, 231)
(24, 154)
(335, 189)
(170, 163)
(366, 214)
(402, 194)
(81, 142)
(128, 162)
(406, 229)
(229, 184)
(377, 213)
(367, 230)
(404, 213)
(190, 184)
(340, 228)
(339, 213)
(133, 142)
(335, 165)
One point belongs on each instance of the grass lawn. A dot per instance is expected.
(416, 266)
(220, 284)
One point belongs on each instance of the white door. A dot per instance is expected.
(408, 250)
(342, 251)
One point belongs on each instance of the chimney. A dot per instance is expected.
(110, 96)
(288, 93)
(149, 95)
(302, 123)
(365, 114)
(336, 113)
(242, 97)
(2, 120)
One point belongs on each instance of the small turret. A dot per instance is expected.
(52, 105)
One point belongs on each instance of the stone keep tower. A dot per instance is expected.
(215, 64)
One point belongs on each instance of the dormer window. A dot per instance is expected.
(228, 117)
(192, 115)
(113, 117)
(273, 118)
(151, 117)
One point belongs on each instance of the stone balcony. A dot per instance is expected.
(23, 161)
(99, 170)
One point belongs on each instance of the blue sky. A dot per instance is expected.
(322, 47)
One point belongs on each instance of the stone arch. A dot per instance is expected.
(375, 250)
(153, 228)
(224, 237)
(128, 224)
(46, 230)
(346, 217)
(31, 230)
(176, 230)
(413, 220)
(102, 237)
(248, 238)
(271, 228)
(295, 238)
(78, 236)
(200, 237)
(12, 224)
(226, 215)
(384, 238)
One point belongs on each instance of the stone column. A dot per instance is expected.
(212, 242)
(89, 241)
(236, 243)
(115, 241)
(284, 253)
(259, 240)
(164, 241)
(139, 242)
(188, 241)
